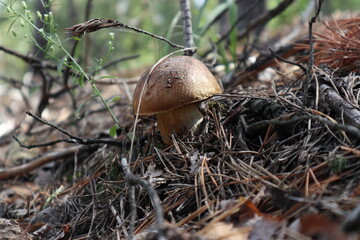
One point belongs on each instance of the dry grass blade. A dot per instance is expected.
(92, 25)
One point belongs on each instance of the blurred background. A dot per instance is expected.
(161, 17)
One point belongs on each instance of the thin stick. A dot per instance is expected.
(133, 180)
(187, 26)
(311, 55)
(133, 213)
(287, 61)
(72, 138)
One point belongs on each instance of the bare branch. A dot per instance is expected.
(71, 139)
(29, 59)
(133, 180)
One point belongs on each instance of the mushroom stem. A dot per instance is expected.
(179, 120)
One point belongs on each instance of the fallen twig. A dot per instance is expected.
(280, 122)
(340, 106)
(41, 160)
(133, 180)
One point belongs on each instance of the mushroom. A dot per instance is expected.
(173, 91)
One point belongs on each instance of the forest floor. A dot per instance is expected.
(274, 161)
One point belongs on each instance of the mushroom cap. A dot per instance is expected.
(173, 83)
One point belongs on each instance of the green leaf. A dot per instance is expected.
(112, 131)
(114, 99)
(79, 80)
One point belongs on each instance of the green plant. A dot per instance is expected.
(49, 33)
(338, 164)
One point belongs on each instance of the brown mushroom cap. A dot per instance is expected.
(173, 83)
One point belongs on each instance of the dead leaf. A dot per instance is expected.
(320, 227)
